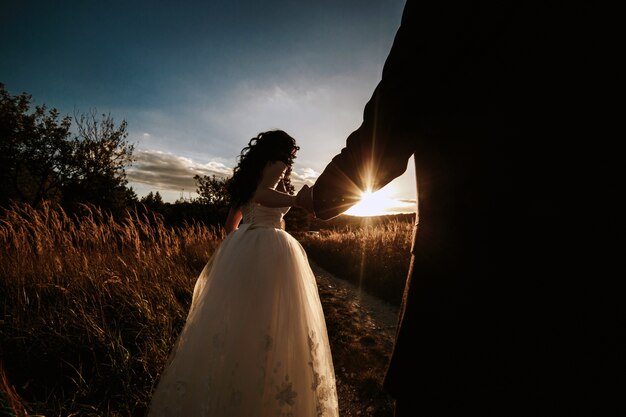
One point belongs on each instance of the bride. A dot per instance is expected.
(255, 342)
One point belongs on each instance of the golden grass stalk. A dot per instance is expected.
(91, 306)
(375, 257)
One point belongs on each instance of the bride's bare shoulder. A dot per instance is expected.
(272, 173)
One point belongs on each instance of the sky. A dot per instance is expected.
(196, 80)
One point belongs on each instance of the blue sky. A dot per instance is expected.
(195, 80)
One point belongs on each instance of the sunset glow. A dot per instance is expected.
(374, 203)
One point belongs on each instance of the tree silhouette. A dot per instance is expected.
(40, 160)
(34, 150)
(153, 201)
(100, 155)
(213, 197)
(212, 190)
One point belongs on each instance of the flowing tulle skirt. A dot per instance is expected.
(255, 341)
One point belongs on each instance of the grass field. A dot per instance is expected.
(371, 253)
(90, 307)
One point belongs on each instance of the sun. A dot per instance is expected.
(373, 204)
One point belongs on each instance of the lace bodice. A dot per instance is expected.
(258, 216)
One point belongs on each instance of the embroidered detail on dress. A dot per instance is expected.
(286, 394)
(269, 342)
(325, 391)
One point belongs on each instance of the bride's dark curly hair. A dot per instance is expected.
(270, 146)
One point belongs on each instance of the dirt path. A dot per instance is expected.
(379, 314)
(361, 330)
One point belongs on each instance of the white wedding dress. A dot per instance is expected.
(255, 341)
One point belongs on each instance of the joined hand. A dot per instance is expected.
(304, 199)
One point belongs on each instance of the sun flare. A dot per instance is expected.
(373, 204)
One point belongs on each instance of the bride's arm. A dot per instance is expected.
(266, 194)
(233, 219)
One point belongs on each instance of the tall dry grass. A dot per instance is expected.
(90, 306)
(376, 257)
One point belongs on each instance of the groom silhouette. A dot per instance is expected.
(491, 99)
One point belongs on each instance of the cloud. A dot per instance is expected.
(215, 125)
(161, 171)
(309, 174)
(172, 176)
(318, 113)
(302, 176)
(401, 206)
(164, 171)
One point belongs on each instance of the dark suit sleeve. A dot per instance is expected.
(404, 100)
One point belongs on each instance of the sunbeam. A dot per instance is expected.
(374, 203)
